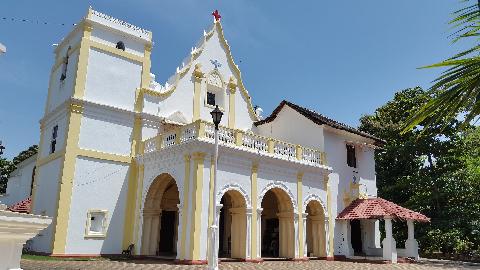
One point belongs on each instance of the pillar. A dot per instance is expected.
(346, 238)
(155, 234)
(411, 245)
(248, 251)
(305, 246)
(327, 236)
(298, 234)
(147, 224)
(259, 232)
(389, 244)
(178, 247)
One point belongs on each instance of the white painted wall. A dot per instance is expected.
(108, 37)
(62, 90)
(59, 119)
(46, 201)
(290, 126)
(100, 185)
(112, 80)
(19, 182)
(106, 130)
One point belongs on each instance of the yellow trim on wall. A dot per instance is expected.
(198, 75)
(103, 155)
(186, 202)
(67, 171)
(300, 213)
(141, 174)
(195, 230)
(131, 209)
(60, 223)
(232, 86)
(51, 157)
(254, 210)
(117, 52)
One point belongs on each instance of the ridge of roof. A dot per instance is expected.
(318, 119)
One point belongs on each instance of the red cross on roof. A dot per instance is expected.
(217, 16)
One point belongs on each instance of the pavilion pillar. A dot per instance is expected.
(304, 222)
(259, 232)
(389, 244)
(411, 245)
(346, 238)
(327, 236)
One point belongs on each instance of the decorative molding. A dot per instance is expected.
(236, 187)
(282, 186)
(315, 197)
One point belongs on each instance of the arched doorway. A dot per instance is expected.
(277, 225)
(232, 226)
(316, 238)
(160, 217)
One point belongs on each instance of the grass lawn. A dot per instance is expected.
(48, 258)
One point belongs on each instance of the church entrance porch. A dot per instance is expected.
(277, 225)
(232, 226)
(160, 218)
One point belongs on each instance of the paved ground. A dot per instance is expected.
(282, 265)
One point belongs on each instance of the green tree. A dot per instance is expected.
(7, 166)
(428, 170)
(459, 84)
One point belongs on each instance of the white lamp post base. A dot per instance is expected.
(213, 248)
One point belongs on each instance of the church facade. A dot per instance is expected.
(125, 160)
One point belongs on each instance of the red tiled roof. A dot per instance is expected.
(377, 208)
(21, 206)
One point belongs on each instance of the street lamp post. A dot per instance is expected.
(213, 230)
(1, 153)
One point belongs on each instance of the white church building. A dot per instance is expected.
(125, 160)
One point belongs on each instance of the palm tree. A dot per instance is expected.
(459, 85)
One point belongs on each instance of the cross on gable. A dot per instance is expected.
(217, 15)
(216, 63)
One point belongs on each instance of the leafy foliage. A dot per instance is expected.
(460, 82)
(435, 171)
(7, 166)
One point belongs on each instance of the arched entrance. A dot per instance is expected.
(232, 226)
(160, 217)
(277, 225)
(316, 237)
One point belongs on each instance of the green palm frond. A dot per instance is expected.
(459, 85)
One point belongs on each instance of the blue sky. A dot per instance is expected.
(341, 58)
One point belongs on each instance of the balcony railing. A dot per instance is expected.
(201, 130)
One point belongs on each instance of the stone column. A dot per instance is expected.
(389, 244)
(411, 245)
(147, 224)
(155, 236)
(327, 236)
(304, 222)
(259, 232)
(248, 252)
(296, 235)
(346, 238)
(179, 231)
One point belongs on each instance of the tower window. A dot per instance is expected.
(65, 66)
(120, 45)
(210, 98)
(351, 157)
(53, 141)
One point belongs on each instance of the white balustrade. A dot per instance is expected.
(227, 136)
(188, 133)
(284, 149)
(169, 139)
(311, 155)
(254, 142)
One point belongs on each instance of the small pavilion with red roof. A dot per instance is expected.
(381, 209)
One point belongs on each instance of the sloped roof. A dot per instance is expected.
(377, 208)
(319, 119)
(21, 206)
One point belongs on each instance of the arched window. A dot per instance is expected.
(120, 45)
